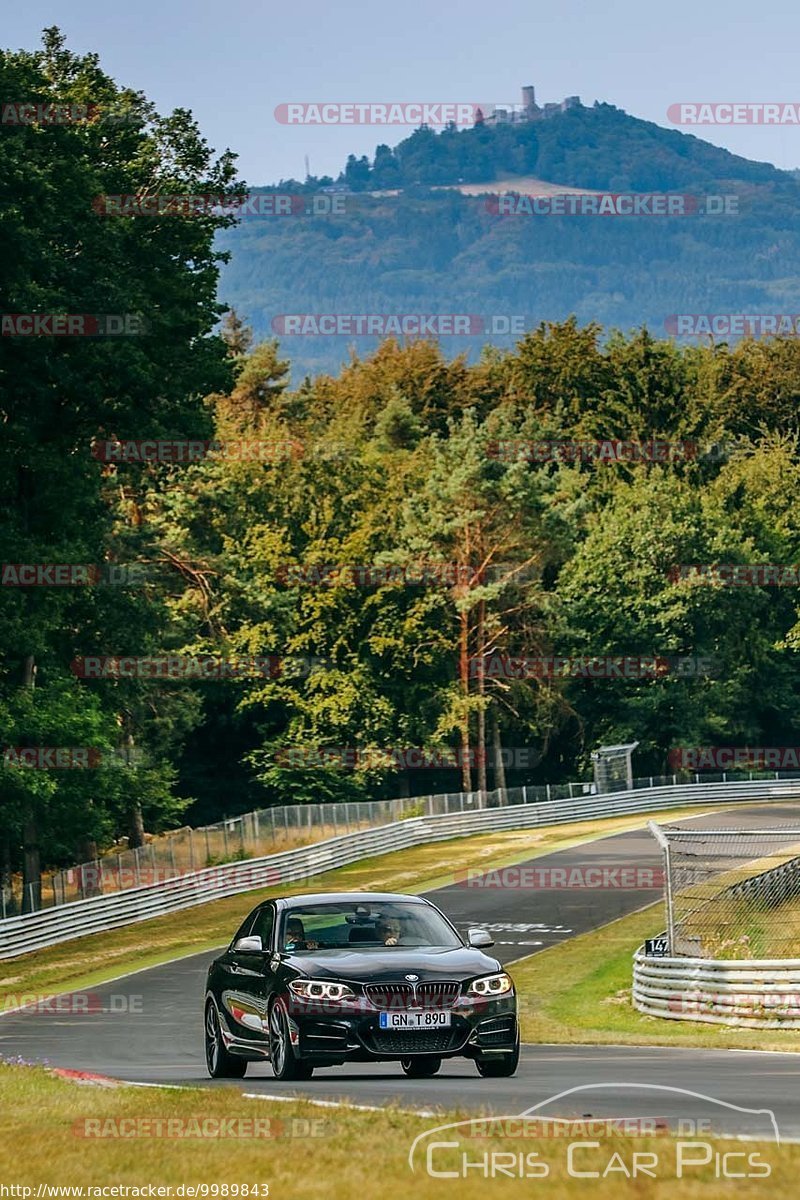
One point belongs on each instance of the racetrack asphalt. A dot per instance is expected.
(147, 1027)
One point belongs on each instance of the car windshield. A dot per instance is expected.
(375, 925)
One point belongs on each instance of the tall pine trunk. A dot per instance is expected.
(31, 854)
(135, 818)
(480, 752)
(497, 751)
(463, 662)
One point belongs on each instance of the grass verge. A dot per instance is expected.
(580, 992)
(56, 1134)
(86, 962)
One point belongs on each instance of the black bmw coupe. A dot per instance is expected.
(320, 980)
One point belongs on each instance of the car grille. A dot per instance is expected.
(416, 1041)
(437, 993)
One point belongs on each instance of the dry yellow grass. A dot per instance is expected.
(43, 1121)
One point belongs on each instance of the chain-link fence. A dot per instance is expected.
(732, 893)
(285, 827)
(267, 831)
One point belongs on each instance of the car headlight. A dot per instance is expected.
(491, 985)
(317, 989)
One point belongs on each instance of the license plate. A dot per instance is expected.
(414, 1020)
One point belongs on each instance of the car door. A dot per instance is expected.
(243, 994)
(251, 971)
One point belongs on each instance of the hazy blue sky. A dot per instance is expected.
(233, 62)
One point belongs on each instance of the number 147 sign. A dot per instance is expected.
(656, 947)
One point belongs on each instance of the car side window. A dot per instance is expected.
(264, 925)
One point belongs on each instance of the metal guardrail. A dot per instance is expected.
(33, 931)
(280, 828)
(754, 993)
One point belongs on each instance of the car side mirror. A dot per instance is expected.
(481, 939)
(249, 945)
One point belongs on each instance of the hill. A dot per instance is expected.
(410, 239)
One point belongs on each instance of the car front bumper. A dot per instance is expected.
(486, 1026)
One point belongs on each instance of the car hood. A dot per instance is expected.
(379, 966)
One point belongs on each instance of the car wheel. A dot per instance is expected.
(285, 1065)
(220, 1064)
(499, 1066)
(422, 1067)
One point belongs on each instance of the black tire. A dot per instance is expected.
(422, 1067)
(499, 1066)
(219, 1063)
(285, 1065)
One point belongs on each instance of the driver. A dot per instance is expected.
(296, 936)
(388, 930)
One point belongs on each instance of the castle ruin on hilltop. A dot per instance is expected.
(528, 110)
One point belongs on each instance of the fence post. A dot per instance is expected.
(670, 903)
(191, 849)
(547, 789)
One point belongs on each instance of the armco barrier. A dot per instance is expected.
(22, 934)
(755, 993)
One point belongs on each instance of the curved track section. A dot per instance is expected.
(147, 1027)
